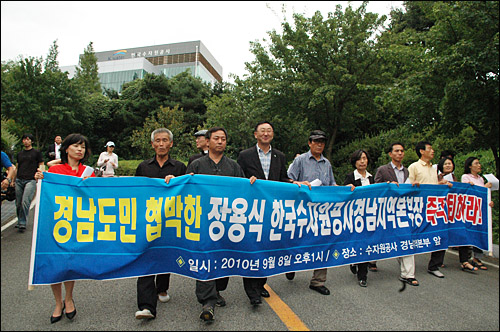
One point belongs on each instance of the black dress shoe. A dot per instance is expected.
(290, 275)
(255, 302)
(320, 289)
(72, 314)
(264, 293)
(57, 318)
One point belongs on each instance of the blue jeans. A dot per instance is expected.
(25, 191)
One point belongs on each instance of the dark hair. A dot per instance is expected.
(390, 148)
(356, 155)
(421, 146)
(213, 130)
(262, 122)
(442, 161)
(446, 153)
(468, 164)
(70, 140)
(28, 135)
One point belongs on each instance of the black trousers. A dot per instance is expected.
(206, 291)
(253, 287)
(464, 254)
(148, 289)
(437, 259)
(362, 271)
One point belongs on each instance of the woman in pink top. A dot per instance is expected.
(471, 175)
(75, 149)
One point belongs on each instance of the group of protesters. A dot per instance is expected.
(263, 162)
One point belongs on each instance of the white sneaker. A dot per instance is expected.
(164, 298)
(142, 314)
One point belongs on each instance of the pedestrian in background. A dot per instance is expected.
(108, 160)
(28, 161)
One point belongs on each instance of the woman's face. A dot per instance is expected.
(447, 167)
(475, 167)
(76, 151)
(362, 162)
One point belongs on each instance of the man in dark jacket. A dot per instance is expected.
(266, 163)
(395, 172)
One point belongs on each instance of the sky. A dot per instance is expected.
(226, 28)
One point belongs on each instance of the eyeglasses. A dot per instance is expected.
(268, 130)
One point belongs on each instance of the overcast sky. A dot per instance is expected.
(225, 28)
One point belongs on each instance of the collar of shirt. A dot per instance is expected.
(310, 155)
(359, 176)
(423, 163)
(154, 161)
(396, 168)
(259, 150)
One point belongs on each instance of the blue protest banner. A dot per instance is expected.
(206, 227)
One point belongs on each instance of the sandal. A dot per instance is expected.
(468, 267)
(410, 281)
(477, 263)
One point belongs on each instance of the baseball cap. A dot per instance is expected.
(110, 143)
(200, 133)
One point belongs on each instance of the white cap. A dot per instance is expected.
(110, 143)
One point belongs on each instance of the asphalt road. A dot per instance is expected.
(460, 301)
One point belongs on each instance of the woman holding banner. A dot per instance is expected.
(75, 149)
(360, 177)
(471, 175)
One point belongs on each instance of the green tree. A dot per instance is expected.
(86, 74)
(164, 117)
(43, 102)
(454, 83)
(51, 63)
(325, 71)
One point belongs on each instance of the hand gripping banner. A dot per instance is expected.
(206, 227)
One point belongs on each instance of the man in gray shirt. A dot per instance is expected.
(311, 166)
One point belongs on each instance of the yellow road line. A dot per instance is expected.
(287, 316)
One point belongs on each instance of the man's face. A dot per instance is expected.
(58, 140)
(428, 153)
(264, 134)
(397, 154)
(27, 142)
(317, 146)
(217, 142)
(162, 144)
(201, 142)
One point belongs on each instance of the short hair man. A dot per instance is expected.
(53, 151)
(28, 161)
(160, 166)
(201, 144)
(267, 163)
(422, 172)
(311, 166)
(395, 172)
(214, 163)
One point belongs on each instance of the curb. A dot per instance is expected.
(495, 250)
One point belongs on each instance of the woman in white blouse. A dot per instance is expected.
(108, 160)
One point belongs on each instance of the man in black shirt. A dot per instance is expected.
(161, 166)
(215, 163)
(28, 161)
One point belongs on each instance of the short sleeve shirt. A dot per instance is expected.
(306, 168)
